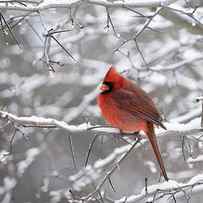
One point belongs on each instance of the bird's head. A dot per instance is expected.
(112, 81)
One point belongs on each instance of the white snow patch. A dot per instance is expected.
(152, 166)
(197, 159)
(30, 157)
(196, 179)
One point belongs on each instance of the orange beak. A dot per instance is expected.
(104, 88)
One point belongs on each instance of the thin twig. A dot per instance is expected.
(90, 148)
(109, 21)
(72, 151)
(65, 49)
(9, 29)
(146, 24)
(140, 52)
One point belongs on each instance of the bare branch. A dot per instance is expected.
(183, 20)
(141, 30)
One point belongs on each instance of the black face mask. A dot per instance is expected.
(110, 85)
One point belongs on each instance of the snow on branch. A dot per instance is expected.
(170, 189)
(183, 19)
(137, 3)
(98, 171)
(92, 173)
(173, 128)
(40, 122)
(89, 174)
(48, 4)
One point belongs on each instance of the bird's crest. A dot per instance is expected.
(112, 75)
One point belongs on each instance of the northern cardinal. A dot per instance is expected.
(127, 107)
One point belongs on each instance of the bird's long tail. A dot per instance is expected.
(152, 138)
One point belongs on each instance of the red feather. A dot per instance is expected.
(127, 107)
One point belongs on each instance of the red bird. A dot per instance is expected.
(127, 107)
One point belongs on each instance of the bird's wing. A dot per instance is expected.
(137, 103)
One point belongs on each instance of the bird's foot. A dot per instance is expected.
(137, 135)
(119, 136)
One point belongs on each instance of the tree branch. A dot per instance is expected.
(66, 4)
(183, 20)
(173, 128)
(167, 189)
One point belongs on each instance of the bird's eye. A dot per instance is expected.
(106, 87)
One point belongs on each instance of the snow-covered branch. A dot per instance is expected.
(183, 20)
(92, 173)
(173, 128)
(170, 189)
(40, 122)
(47, 4)
(152, 43)
(131, 3)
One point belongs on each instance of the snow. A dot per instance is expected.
(45, 186)
(151, 165)
(186, 82)
(55, 196)
(175, 126)
(197, 159)
(9, 183)
(118, 151)
(175, 73)
(195, 179)
(7, 198)
(84, 178)
(152, 189)
(46, 3)
(30, 157)
(32, 83)
(196, 112)
(3, 156)
(165, 186)
(158, 78)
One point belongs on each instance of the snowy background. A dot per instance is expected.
(53, 54)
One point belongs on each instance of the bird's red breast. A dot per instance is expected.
(124, 105)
